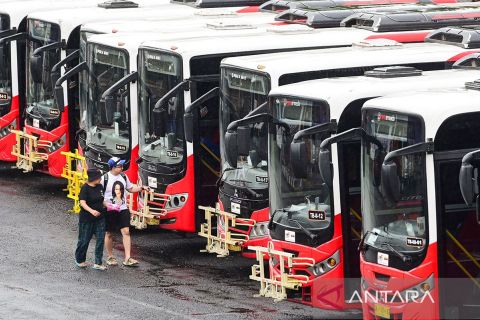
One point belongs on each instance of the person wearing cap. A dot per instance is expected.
(91, 220)
(119, 218)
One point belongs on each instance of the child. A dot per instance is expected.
(91, 220)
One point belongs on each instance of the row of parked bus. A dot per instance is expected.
(334, 141)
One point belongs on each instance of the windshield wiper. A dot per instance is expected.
(270, 222)
(361, 246)
(402, 256)
(305, 230)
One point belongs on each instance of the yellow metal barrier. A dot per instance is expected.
(28, 150)
(75, 171)
(149, 213)
(275, 285)
(226, 240)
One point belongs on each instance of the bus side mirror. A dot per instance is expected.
(231, 150)
(2, 58)
(324, 167)
(298, 159)
(188, 126)
(477, 208)
(59, 98)
(36, 68)
(390, 182)
(54, 76)
(243, 141)
(109, 109)
(467, 183)
(159, 122)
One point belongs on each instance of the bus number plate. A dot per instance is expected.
(316, 215)
(382, 311)
(415, 242)
(172, 154)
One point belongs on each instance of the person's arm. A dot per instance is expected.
(132, 188)
(86, 207)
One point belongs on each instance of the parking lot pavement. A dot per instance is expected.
(38, 279)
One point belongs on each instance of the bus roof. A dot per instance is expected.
(275, 38)
(18, 12)
(152, 24)
(339, 92)
(172, 32)
(434, 106)
(278, 64)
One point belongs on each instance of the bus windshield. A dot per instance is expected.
(42, 111)
(243, 91)
(108, 128)
(161, 131)
(306, 200)
(5, 70)
(399, 226)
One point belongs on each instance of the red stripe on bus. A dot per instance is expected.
(248, 9)
(401, 37)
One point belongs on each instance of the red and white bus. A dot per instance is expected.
(420, 248)
(316, 220)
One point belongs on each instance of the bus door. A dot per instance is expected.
(207, 143)
(349, 175)
(459, 244)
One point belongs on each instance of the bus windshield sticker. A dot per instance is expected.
(289, 236)
(382, 259)
(152, 182)
(235, 207)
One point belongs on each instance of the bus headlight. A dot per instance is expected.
(6, 130)
(326, 265)
(260, 229)
(57, 144)
(415, 292)
(177, 201)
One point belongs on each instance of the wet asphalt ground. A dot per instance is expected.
(38, 278)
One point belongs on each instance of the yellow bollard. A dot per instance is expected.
(75, 171)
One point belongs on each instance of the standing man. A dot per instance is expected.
(118, 220)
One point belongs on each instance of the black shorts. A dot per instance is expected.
(117, 220)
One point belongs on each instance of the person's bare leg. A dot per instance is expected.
(109, 244)
(127, 242)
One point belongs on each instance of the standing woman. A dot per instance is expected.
(91, 220)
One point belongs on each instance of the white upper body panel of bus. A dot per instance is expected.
(18, 11)
(169, 24)
(277, 64)
(433, 106)
(278, 37)
(154, 10)
(338, 93)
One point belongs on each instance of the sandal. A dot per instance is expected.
(112, 261)
(81, 264)
(100, 267)
(130, 263)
